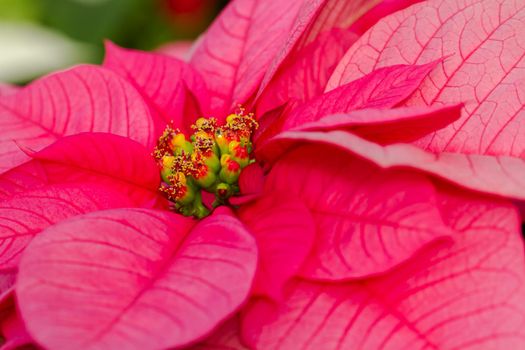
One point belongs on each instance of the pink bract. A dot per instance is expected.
(375, 216)
(152, 267)
(46, 110)
(482, 49)
(168, 85)
(417, 304)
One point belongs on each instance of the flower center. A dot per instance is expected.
(210, 160)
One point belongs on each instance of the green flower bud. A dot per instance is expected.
(206, 178)
(186, 191)
(212, 161)
(180, 144)
(179, 190)
(167, 167)
(230, 169)
(239, 153)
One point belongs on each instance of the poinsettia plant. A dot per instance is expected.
(318, 174)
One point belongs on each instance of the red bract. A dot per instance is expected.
(482, 50)
(356, 227)
(484, 62)
(447, 295)
(47, 110)
(148, 270)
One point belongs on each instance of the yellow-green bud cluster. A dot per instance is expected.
(210, 160)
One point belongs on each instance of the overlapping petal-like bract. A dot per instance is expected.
(464, 290)
(239, 45)
(383, 88)
(46, 110)
(373, 218)
(387, 126)
(119, 162)
(114, 272)
(482, 51)
(499, 175)
(358, 232)
(168, 85)
(318, 40)
(26, 214)
(461, 76)
(285, 233)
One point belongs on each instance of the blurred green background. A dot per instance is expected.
(39, 36)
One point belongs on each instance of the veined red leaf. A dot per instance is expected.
(133, 279)
(367, 220)
(499, 175)
(315, 19)
(235, 53)
(468, 294)
(25, 215)
(306, 75)
(25, 177)
(121, 163)
(323, 32)
(284, 231)
(390, 125)
(173, 89)
(382, 89)
(483, 68)
(82, 99)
